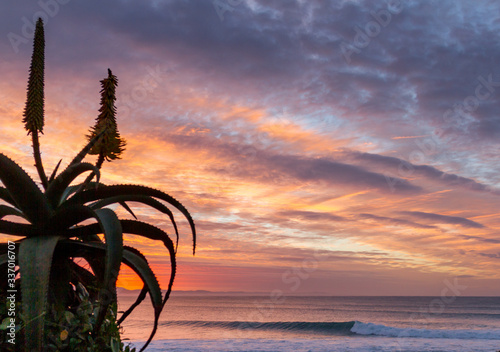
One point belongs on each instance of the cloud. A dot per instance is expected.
(246, 161)
(427, 171)
(481, 239)
(444, 219)
(490, 255)
(323, 169)
(396, 222)
(311, 216)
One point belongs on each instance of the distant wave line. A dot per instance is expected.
(343, 328)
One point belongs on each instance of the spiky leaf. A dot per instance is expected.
(126, 190)
(23, 190)
(15, 229)
(140, 298)
(5, 196)
(83, 153)
(112, 230)
(153, 233)
(54, 172)
(140, 199)
(5, 210)
(60, 183)
(35, 262)
(137, 262)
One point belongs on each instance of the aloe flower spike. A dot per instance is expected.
(34, 110)
(111, 145)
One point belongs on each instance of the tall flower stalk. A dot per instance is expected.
(111, 145)
(34, 109)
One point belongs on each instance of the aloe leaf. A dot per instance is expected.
(74, 189)
(5, 210)
(122, 190)
(140, 199)
(83, 153)
(154, 233)
(89, 279)
(127, 208)
(23, 190)
(87, 181)
(5, 196)
(92, 252)
(69, 191)
(82, 275)
(108, 224)
(135, 227)
(111, 227)
(56, 188)
(4, 247)
(66, 217)
(35, 262)
(15, 229)
(55, 171)
(4, 258)
(137, 262)
(143, 229)
(140, 298)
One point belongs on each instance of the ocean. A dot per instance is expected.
(361, 324)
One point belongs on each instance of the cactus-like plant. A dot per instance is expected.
(53, 239)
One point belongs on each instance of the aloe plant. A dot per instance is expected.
(51, 238)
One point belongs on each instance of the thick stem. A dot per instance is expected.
(38, 159)
(100, 161)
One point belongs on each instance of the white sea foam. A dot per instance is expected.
(382, 330)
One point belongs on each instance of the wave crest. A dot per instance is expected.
(342, 328)
(389, 331)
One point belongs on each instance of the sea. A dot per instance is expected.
(316, 323)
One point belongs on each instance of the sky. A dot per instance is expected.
(322, 147)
